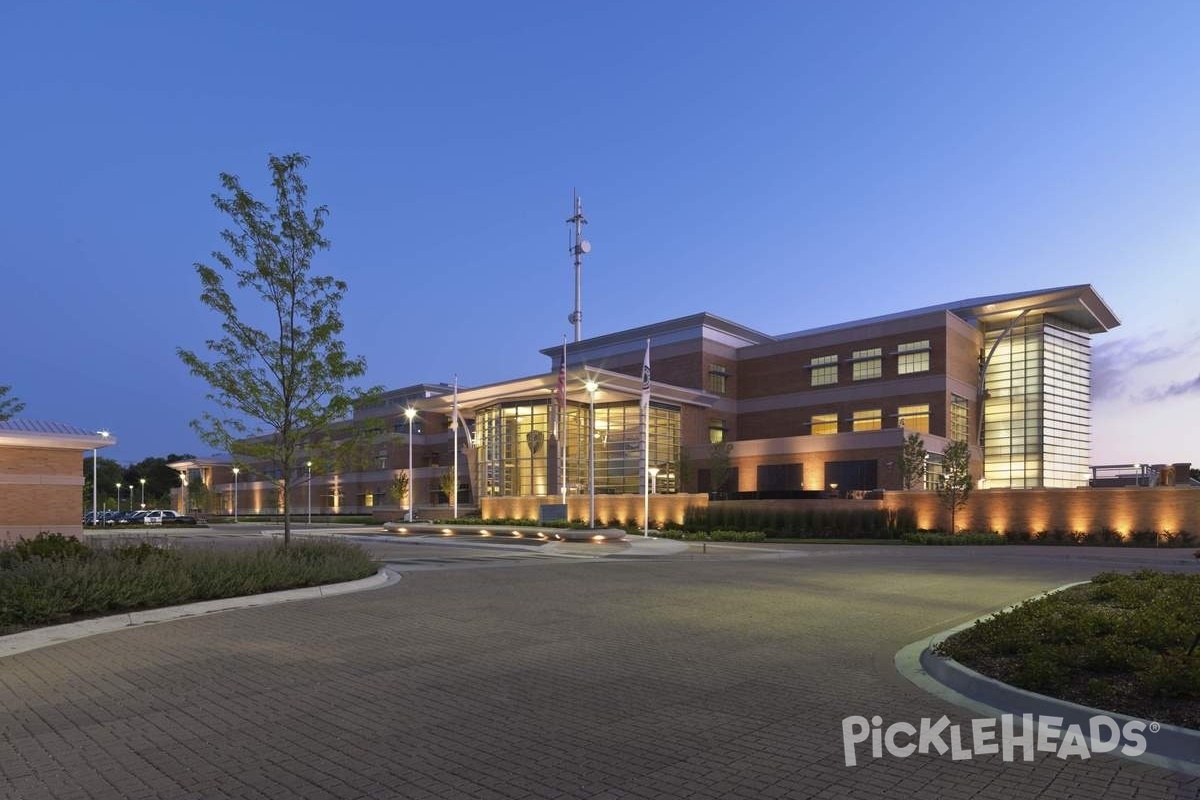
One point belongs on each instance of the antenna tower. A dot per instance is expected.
(579, 248)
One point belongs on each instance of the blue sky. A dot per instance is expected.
(784, 165)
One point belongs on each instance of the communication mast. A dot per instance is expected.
(579, 248)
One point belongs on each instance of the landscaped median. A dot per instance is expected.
(1121, 650)
(53, 579)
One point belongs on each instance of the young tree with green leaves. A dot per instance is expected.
(399, 489)
(954, 485)
(9, 406)
(719, 465)
(446, 484)
(283, 384)
(912, 462)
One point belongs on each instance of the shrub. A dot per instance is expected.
(51, 546)
(39, 591)
(952, 539)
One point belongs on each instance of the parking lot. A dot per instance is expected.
(497, 673)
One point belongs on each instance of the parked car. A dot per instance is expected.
(161, 517)
(134, 518)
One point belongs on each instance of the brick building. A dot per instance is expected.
(819, 410)
(41, 477)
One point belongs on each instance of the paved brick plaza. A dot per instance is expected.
(717, 676)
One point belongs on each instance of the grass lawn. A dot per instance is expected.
(1123, 643)
(53, 578)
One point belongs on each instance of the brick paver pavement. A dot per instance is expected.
(716, 677)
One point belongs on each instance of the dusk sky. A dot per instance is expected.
(784, 165)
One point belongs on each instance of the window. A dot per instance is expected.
(871, 420)
(868, 363)
(780, 477)
(381, 460)
(958, 418)
(915, 418)
(717, 379)
(716, 431)
(914, 357)
(824, 370)
(824, 424)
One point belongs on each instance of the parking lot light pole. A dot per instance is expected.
(142, 481)
(95, 488)
(118, 498)
(411, 413)
(309, 494)
(235, 493)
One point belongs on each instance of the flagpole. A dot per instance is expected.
(646, 440)
(454, 455)
(562, 423)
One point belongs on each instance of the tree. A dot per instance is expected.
(108, 474)
(912, 461)
(685, 470)
(286, 383)
(399, 488)
(954, 485)
(447, 484)
(719, 465)
(9, 406)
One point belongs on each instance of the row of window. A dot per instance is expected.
(913, 418)
(911, 357)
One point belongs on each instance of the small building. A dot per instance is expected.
(41, 476)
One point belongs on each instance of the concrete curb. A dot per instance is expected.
(25, 641)
(1169, 747)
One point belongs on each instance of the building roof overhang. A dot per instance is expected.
(1081, 305)
(693, 322)
(54, 435)
(613, 386)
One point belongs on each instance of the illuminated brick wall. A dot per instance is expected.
(625, 508)
(1089, 510)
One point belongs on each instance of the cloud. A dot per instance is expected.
(1115, 362)
(1174, 390)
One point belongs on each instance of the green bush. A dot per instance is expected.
(50, 546)
(39, 590)
(927, 537)
(1122, 641)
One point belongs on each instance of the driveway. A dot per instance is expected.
(722, 675)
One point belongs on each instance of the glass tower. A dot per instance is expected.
(1037, 412)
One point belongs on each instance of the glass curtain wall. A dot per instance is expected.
(517, 448)
(1037, 418)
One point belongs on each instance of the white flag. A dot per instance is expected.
(646, 378)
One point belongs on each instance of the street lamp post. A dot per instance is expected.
(309, 494)
(142, 481)
(591, 387)
(236, 470)
(654, 479)
(95, 488)
(410, 413)
(118, 498)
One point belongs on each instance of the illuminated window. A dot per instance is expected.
(871, 420)
(958, 418)
(824, 370)
(868, 363)
(716, 431)
(824, 424)
(915, 418)
(717, 379)
(914, 357)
